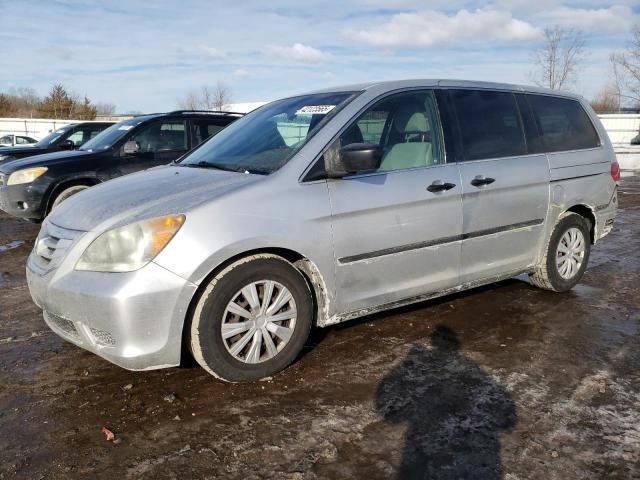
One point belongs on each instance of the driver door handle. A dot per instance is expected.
(481, 180)
(440, 186)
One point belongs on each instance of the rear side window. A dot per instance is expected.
(563, 124)
(490, 124)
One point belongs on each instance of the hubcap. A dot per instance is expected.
(570, 253)
(259, 321)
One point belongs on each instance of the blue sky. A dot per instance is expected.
(146, 55)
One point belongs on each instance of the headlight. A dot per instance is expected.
(27, 175)
(131, 247)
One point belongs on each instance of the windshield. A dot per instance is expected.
(264, 140)
(53, 136)
(111, 135)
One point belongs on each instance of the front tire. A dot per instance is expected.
(66, 193)
(567, 255)
(252, 320)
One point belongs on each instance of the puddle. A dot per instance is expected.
(11, 245)
(586, 291)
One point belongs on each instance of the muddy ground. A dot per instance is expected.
(505, 381)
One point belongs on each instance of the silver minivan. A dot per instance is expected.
(321, 208)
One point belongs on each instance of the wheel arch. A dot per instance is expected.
(589, 214)
(66, 183)
(309, 270)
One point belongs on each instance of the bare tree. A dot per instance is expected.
(105, 108)
(626, 69)
(8, 107)
(58, 104)
(221, 96)
(189, 102)
(24, 101)
(207, 98)
(84, 110)
(607, 100)
(559, 58)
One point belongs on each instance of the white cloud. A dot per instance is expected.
(617, 18)
(297, 53)
(430, 28)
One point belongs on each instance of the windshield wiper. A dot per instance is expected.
(203, 164)
(226, 168)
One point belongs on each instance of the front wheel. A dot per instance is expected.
(252, 320)
(66, 193)
(567, 255)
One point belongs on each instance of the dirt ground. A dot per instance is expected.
(505, 381)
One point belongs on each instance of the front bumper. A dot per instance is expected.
(25, 201)
(132, 319)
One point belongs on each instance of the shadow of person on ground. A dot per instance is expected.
(453, 409)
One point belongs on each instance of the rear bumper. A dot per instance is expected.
(605, 216)
(132, 319)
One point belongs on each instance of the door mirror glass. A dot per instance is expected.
(67, 145)
(131, 147)
(353, 158)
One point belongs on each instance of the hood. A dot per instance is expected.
(152, 193)
(40, 160)
(24, 150)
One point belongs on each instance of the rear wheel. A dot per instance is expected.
(252, 320)
(66, 193)
(567, 255)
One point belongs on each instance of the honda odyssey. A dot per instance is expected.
(321, 208)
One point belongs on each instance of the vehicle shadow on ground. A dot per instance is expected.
(453, 409)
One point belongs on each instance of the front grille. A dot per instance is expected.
(52, 245)
(2, 179)
(63, 324)
(101, 337)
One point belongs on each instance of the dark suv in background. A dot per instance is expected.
(31, 187)
(67, 137)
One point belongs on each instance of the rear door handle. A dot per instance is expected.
(481, 180)
(440, 186)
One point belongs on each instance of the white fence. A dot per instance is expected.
(33, 127)
(41, 127)
(621, 127)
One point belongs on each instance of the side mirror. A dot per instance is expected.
(67, 145)
(131, 147)
(352, 158)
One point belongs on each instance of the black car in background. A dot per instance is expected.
(67, 137)
(31, 187)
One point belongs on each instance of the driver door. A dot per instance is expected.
(397, 230)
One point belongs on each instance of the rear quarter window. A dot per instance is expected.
(563, 124)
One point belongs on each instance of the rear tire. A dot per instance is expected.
(567, 254)
(66, 193)
(239, 332)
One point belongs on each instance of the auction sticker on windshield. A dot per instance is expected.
(315, 109)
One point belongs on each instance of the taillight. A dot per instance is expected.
(615, 171)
